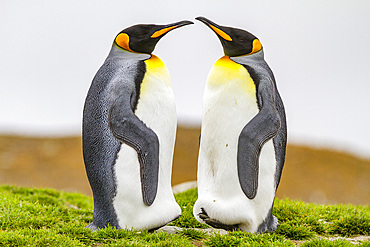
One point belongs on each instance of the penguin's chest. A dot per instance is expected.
(230, 96)
(229, 103)
(156, 109)
(156, 100)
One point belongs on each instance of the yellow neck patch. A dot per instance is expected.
(226, 62)
(162, 31)
(123, 40)
(154, 63)
(225, 72)
(156, 74)
(224, 35)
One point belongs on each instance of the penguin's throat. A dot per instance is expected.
(228, 74)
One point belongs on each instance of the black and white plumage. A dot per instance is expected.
(129, 128)
(243, 137)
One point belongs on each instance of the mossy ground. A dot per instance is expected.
(46, 217)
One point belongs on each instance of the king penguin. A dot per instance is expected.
(243, 137)
(128, 133)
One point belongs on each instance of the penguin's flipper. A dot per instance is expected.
(254, 135)
(280, 140)
(129, 129)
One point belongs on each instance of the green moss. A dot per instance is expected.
(186, 201)
(238, 238)
(46, 217)
(365, 244)
(295, 231)
(300, 220)
(327, 243)
(352, 225)
(193, 233)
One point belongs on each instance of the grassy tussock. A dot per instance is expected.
(46, 217)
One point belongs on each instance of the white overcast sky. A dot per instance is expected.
(318, 50)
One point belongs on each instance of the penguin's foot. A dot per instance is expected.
(215, 223)
(156, 228)
(269, 225)
(92, 227)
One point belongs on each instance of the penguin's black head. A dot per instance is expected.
(142, 38)
(236, 42)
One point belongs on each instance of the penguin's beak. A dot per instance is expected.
(166, 28)
(215, 27)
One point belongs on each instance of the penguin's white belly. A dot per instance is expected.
(156, 108)
(227, 107)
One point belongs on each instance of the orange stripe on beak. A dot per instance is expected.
(162, 31)
(224, 35)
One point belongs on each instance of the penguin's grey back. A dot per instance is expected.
(117, 76)
(258, 68)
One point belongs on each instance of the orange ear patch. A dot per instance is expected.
(123, 40)
(257, 46)
(221, 33)
(162, 31)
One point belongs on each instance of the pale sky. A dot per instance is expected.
(319, 52)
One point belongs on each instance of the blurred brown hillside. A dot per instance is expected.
(311, 175)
